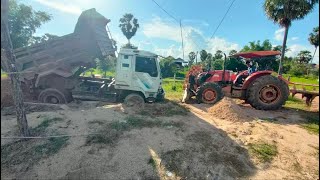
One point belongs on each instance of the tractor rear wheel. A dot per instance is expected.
(267, 93)
(209, 93)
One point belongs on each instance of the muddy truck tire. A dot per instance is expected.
(134, 100)
(209, 93)
(53, 96)
(267, 93)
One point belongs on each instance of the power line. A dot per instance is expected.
(223, 18)
(166, 12)
(178, 21)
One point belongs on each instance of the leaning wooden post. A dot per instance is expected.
(8, 60)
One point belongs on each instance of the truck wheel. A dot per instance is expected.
(134, 99)
(267, 93)
(52, 96)
(209, 93)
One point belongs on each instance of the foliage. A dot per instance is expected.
(168, 67)
(203, 55)
(283, 12)
(263, 151)
(23, 22)
(304, 57)
(107, 64)
(298, 69)
(314, 39)
(257, 46)
(233, 52)
(218, 54)
(218, 64)
(266, 63)
(129, 26)
(192, 57)
(235, 64)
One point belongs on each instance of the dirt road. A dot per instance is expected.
(161, 141)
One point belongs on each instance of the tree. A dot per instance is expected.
(23, 22)
(129, 26)
(269, 63)
(203, 55)
(279, 48)
(8, 63)
(283, 12)
(304, 57)
(257, 46)
(106, 64)
(233, 52)
(314, 39)
(168, 67)
(218, 55)
(192, 57)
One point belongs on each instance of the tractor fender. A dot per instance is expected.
(253, 77)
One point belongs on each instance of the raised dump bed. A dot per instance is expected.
(57, 63)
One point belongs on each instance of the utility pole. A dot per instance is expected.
(182, 40)
(197, 57)
(8, 60)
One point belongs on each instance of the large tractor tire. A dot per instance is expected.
(267, 93)
(209, 93)
(52, 96)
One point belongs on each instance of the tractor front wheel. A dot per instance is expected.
(267, 93)
(209, 93)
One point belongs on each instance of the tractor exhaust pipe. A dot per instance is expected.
(224, 67)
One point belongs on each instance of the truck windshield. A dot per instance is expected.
(147, 65)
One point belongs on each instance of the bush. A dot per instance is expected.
(298, 70)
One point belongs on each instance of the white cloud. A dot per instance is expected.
(62, 6)
(278, 35)
(296, 48)
(294, 38)
(194, 40)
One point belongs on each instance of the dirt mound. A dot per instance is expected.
(6, 90)
(228, 109)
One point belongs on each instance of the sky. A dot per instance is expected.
(160, 33)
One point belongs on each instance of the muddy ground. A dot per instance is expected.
(161, 141)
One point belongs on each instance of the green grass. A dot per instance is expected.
(41, 128)
(28, 153)
(263, 151)
(110, 133)
(171, 93)
(303, 80)
(295, 103)
(96, 71)
(4, 75)
(312, 125)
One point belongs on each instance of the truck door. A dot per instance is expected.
(124, 71)
(146, 74)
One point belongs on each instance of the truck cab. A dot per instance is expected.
(139, 71)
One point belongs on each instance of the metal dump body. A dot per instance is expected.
(61, 56)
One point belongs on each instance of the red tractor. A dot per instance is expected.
(260, 88)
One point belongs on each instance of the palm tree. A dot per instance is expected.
(283, 12)
(192, 57)
(129, 26)
(314, 39)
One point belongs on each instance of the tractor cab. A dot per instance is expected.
(256, 62)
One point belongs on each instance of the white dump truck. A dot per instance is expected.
(51, 70)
